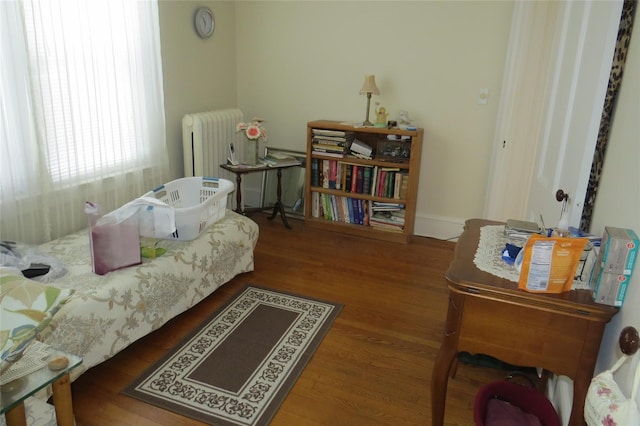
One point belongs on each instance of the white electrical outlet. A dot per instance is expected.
(483, 96)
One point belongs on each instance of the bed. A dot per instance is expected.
(106, 313)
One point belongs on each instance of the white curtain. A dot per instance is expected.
(81, 111)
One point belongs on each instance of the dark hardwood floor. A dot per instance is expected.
(373, 367)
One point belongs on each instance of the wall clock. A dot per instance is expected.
(204, 22)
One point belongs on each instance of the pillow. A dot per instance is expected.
(26, 307)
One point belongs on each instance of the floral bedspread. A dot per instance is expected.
(106, 313)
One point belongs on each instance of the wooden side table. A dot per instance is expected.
(240, 170)
(489, 315)
(14, 393)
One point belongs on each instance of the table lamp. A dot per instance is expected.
(369, 87)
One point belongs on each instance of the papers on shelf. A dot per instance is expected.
(275, 159)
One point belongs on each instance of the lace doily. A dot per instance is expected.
(488, 256)
(33, 359)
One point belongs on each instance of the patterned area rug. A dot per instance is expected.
(239, 365)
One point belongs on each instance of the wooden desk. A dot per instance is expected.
(278, 207)
(489, 315)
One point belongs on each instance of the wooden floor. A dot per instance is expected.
(373, 367)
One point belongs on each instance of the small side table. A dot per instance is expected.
(242, 169)
(12, 400)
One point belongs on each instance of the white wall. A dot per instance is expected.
(618, 200)
(199, 75)
(296, 61)
(301, 61)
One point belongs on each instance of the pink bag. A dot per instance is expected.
(113, 245)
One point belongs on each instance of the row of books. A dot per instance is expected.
(356, 211)
(340, 209)
(389, 182)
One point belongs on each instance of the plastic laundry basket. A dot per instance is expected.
(198, 202)
(527, 399)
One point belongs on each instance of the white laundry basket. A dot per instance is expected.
(198, 202)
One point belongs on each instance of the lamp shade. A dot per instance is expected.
(369, 85)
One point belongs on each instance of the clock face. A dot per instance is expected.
(204, 22)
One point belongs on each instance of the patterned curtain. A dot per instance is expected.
(615, 78)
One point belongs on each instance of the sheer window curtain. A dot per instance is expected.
(81, 111)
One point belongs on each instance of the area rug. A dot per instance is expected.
(237, 367)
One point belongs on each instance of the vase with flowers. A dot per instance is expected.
(254, 132)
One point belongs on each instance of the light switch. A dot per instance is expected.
(483, 96)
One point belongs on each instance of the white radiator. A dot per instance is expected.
(205, 140)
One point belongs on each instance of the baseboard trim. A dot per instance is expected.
(439, 227)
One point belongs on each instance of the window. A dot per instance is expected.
(82, 111)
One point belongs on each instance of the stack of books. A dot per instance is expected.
(333, 143)
(361, 150)
(387, 216)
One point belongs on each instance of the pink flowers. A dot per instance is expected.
(253, 130)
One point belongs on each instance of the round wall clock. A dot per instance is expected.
(204, 22)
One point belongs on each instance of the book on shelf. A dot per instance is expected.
(332, 140)
(325, 174)
(315, 204)
(329, 153)
(315, 172)
(390, 221)
(361, 156)
(382, 206)
(328, 148)
(333, 133)
(359, 147)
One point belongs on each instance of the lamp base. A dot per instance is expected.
(366, 121)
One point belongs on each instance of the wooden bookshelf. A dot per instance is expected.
(343, 193)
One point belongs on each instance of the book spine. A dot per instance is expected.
(347, 178)
(366, 180)
(404, 185)
(360, 180)
(325, 173)
(396, 187)
(315, 204)
(315, 176)
(332, 174)
(354, 178)
(366, 206)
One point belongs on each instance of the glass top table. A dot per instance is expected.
(13, 394)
